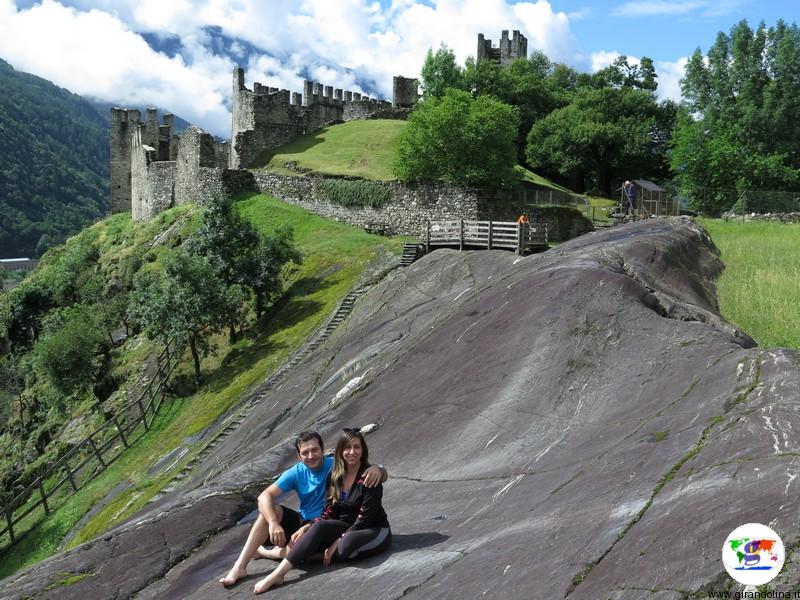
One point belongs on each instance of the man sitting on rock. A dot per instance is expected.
(278, 524)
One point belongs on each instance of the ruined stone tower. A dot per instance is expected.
(405, 92)
(509, 50)
(123, 121)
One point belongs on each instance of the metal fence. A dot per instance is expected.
(555, 197)
(716, 200)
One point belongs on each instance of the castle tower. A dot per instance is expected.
(508, 51)
(122, 123)
(405, 92)
(242, 118)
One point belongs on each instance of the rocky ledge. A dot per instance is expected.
(580, 423)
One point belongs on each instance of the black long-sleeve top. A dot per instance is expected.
(362, 508)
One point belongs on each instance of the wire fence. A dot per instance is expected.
(714, 201)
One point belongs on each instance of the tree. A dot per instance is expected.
(242, 256)
(440, 73)
(737, 129)
(265, 266)
(459, 139)
(187, 302)
(67, 353)
(526, 84)
(602, 131)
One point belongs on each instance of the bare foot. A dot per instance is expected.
(269, 581)
(274, 553)
(233, 576)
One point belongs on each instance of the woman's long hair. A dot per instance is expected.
(340, 467)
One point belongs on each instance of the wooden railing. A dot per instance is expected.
(508, 235)
(89, 458)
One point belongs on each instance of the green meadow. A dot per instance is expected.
(760, 287)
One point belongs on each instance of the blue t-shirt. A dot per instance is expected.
(309, 485)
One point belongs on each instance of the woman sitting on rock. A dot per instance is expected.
(353, 523)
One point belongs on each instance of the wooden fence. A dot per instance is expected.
(90, 457)
(507, 235)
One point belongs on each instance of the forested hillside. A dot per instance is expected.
(54, 171)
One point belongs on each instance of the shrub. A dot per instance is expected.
(359, 193)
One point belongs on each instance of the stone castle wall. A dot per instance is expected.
(152, 169)
(407, 211)
(266, 118)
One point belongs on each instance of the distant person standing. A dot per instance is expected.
(630, 194)
(523, 219)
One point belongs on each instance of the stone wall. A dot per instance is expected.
(411, 205)
(266, 118)
(508, 50)
(197, 150)
(563, 222)
(406, 212)
(793, 217)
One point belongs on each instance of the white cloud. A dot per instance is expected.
(653, 8)
(669, 78)
(603, 59)
(95, 47)
(94, 54)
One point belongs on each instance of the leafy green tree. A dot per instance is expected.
(187, 302)
(242, 256)
(622, 74)
(265, 266)
(26, 305)
(527, 84)
(603, 131)
(738, 128)
(69, 349)
(440, 73)
(460, 139)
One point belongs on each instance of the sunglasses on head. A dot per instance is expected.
(352, 430)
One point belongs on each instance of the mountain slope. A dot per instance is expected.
(54, 175)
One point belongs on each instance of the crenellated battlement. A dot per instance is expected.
(266, 118)
(153, 169)
(509, 50)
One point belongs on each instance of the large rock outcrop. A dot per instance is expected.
(578, 423)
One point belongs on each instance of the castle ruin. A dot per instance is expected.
(153, 169)
(509, 50)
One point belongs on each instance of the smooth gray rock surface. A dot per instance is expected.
(578, 423)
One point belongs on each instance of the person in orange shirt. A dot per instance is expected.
(523, 219)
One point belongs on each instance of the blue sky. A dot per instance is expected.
(179, 54)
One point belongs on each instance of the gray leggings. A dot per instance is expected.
(355, 544)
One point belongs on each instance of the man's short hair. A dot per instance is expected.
(307, 436)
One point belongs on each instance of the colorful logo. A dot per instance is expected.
(753, 554)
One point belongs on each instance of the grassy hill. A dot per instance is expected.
(334, 257)
(357, 148)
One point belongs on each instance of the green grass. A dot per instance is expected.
(526, 175)
(759, 288)
(334, 257)
(357, 148)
